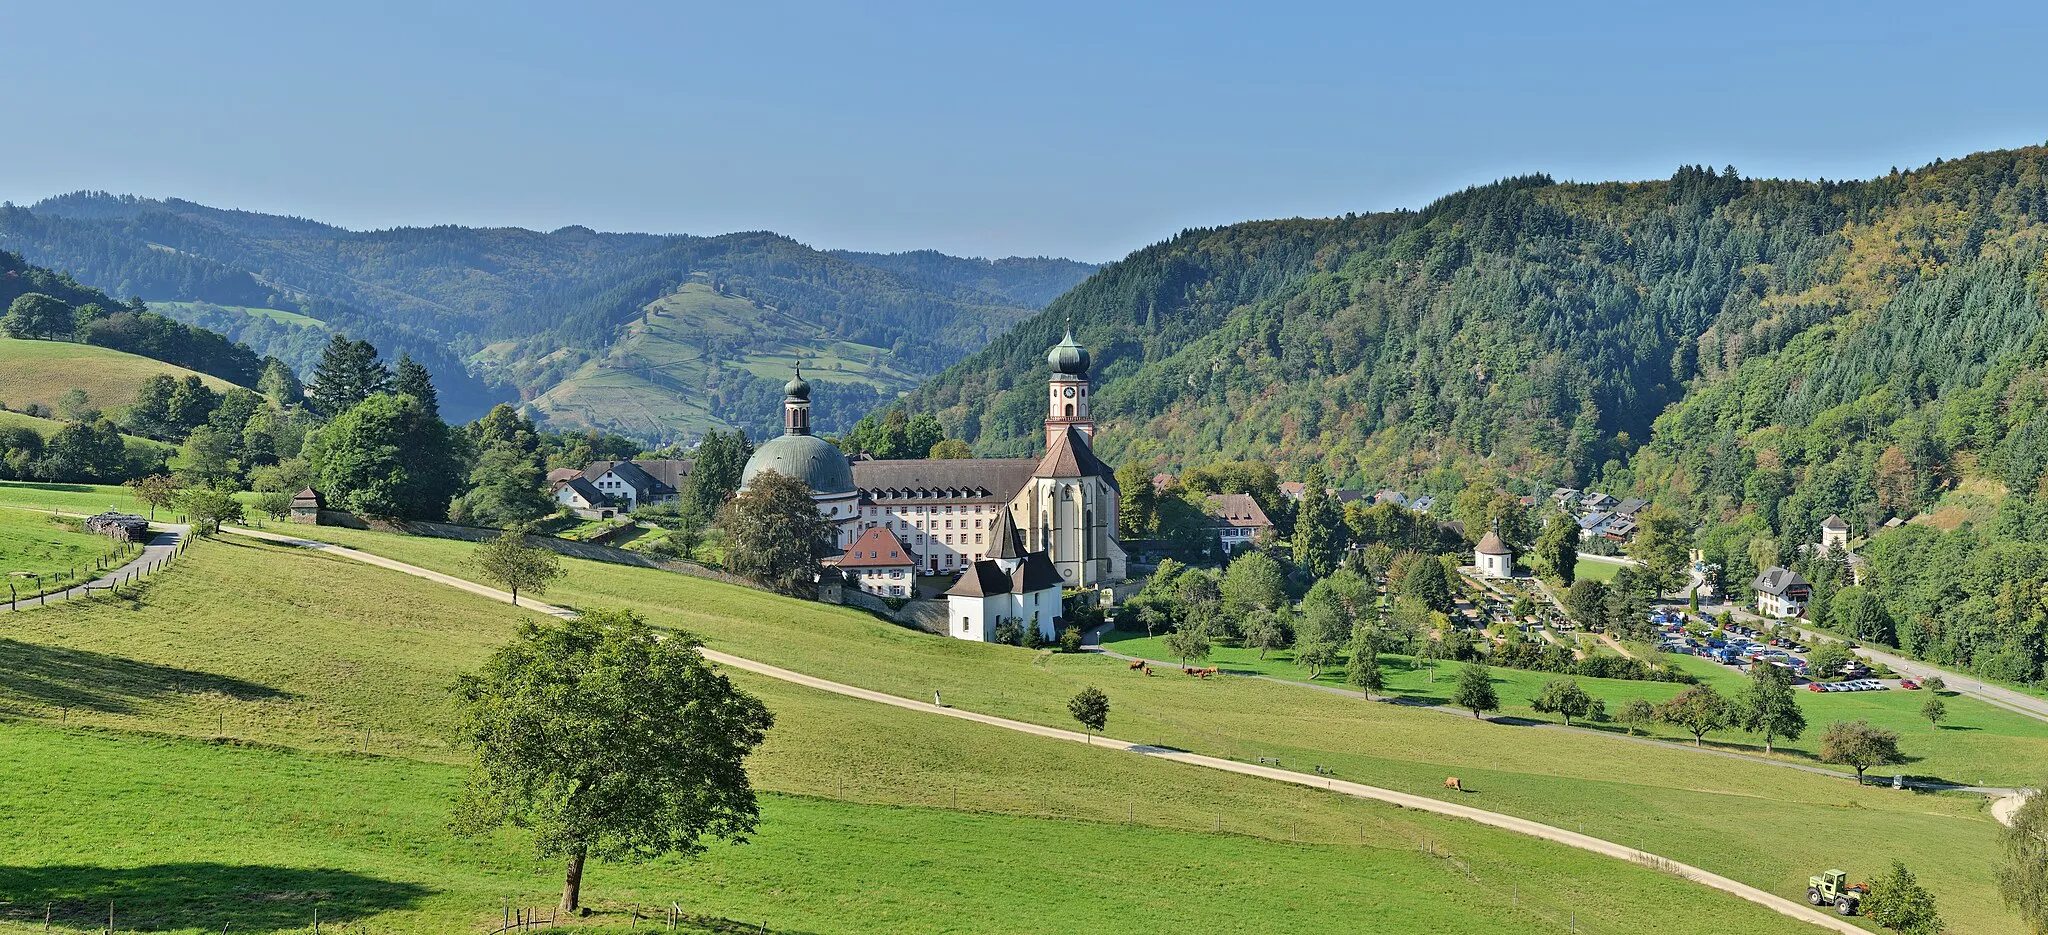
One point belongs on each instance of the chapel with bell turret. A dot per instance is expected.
(951, 515)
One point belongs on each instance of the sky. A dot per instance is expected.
(1084, 130)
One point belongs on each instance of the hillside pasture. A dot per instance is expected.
(40, 372)
(869, 806)
(1675, 801)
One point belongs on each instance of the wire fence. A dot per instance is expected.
(85, 579)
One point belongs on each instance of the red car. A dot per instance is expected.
(1814, 687)
(1909, 685)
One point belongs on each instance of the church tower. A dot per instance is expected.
(1067, 394)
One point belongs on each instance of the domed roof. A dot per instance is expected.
(1490, 544)
(807, 458)
(796, 388)
(1068, 356)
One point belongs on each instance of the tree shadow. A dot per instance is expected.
(32, 674)
(205, 896)
(1956, 727)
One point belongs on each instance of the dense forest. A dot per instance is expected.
(487, 309)
(1755, 353)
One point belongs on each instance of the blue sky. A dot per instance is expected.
(1082, 130)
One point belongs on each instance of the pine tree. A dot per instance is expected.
(349, 372)
(413, 380)
(1319, 528)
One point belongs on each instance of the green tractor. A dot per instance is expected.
(1834, 889)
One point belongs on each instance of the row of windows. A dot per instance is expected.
(948, 510)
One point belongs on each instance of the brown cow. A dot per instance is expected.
(1453, 783)
(1135, 664)
(1148, 672)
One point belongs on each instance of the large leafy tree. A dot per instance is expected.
(349, 373)
(1699, 710)
(387, 457)
(1661, 544)
(774, 533)
(1898, 902)
(1769, 706)
(1859, 746)
(35, 315)
(1563, 697)
(1137, 513)
(607, 741)
(1254, 581)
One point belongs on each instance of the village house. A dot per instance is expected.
(584, 499)
(1781, 592)
(1236, 519)
(633, 484)
(880, 564)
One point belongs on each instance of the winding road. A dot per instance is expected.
(161, 547)
(1779, 904)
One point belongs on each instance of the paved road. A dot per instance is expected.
(1781, 905)
(2016, 702)
(160, 548)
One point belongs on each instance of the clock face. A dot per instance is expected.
(1070, 392)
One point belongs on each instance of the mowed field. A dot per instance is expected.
(1976, 744)
(41, 371)
(259, 732)
(1759, 823)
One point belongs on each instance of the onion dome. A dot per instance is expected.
(1068, 357)
(796, 388)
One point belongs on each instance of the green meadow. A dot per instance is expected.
(1756, 822)
(258, 733)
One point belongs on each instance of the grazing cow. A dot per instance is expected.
(1453, 783)
(1148, 672)
(1135, 664)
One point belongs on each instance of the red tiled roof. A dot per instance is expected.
(878, 547)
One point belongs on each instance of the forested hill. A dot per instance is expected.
(505, 312)
(1756, 354)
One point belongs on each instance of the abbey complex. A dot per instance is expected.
(1016, 530)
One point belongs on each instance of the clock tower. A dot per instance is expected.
(1067, 392)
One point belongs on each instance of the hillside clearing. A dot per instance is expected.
(40, 372)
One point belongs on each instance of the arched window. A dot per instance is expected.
(1070, 410)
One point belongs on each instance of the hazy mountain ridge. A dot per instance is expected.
(507, 313)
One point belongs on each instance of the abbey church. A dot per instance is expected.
(1042, 522)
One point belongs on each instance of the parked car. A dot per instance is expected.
(1909, 685)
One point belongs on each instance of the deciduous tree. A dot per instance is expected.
(1898, 902)
(1858, 745)
(1563, 697)
(774, 533)
(1475, 690)
(1769, 706)
(1699, 709)
(1091, 708)
(515, 564)
(2023, 873)
(608, 742)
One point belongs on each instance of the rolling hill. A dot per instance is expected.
(41, 371)
(505, 313)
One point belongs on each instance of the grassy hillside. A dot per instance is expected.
(40, 372)
(696, 356)
(1753, 822)
(871, 815)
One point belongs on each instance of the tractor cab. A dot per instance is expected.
(1834, 889)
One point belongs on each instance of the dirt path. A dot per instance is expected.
(2007, 806)
(1781, 905)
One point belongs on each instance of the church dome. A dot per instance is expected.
(796, 388)
(807, 458)
(1068, 357)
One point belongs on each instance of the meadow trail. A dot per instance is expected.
(1585, 842)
